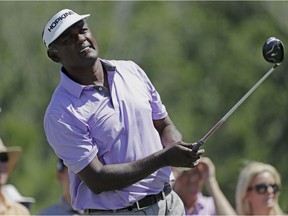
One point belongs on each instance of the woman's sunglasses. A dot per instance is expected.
(4, 157)
(263, 188)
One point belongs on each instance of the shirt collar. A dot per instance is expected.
(75, 88)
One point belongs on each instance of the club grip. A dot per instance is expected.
(197, 146)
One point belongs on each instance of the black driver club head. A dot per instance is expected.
(273, 50)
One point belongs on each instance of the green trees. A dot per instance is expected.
(201, 56)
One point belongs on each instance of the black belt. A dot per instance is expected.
(141, 204)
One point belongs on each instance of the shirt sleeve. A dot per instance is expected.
(70, 139)
(158, 108)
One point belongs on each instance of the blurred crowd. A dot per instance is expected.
(257, 189)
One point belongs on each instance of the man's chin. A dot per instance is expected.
(89, 53)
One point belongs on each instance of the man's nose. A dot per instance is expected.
(80, 38)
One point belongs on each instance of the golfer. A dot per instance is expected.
(107, 123)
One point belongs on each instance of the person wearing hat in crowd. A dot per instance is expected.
(107, 122)
(63, 207)
(189, 185)
(8, 160)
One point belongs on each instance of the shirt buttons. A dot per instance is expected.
(102, 90)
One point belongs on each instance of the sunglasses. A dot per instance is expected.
(263, 188)
(4, 157)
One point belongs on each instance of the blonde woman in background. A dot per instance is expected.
(257, 190)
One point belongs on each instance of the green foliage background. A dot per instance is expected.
(201, 56)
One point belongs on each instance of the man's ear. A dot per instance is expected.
(52, 54)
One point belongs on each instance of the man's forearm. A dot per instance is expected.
(117, 176)
(170, 135)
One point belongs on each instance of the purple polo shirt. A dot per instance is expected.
(82, 122)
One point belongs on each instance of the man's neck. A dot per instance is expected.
(86, 75)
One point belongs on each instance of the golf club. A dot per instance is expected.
(273, 52)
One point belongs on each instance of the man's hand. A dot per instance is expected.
(180, 154)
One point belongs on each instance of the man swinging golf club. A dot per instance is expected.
(107, 123)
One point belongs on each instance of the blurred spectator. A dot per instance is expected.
(8, 160)
(63, 207)
(258, 190)
(189, 184)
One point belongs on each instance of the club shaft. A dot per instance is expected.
(248, 93)
(229, 113)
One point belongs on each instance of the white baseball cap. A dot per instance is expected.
(59, 23)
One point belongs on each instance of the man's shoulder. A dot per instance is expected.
(128, 67)
(119, 63)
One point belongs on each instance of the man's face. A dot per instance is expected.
(76, 46)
